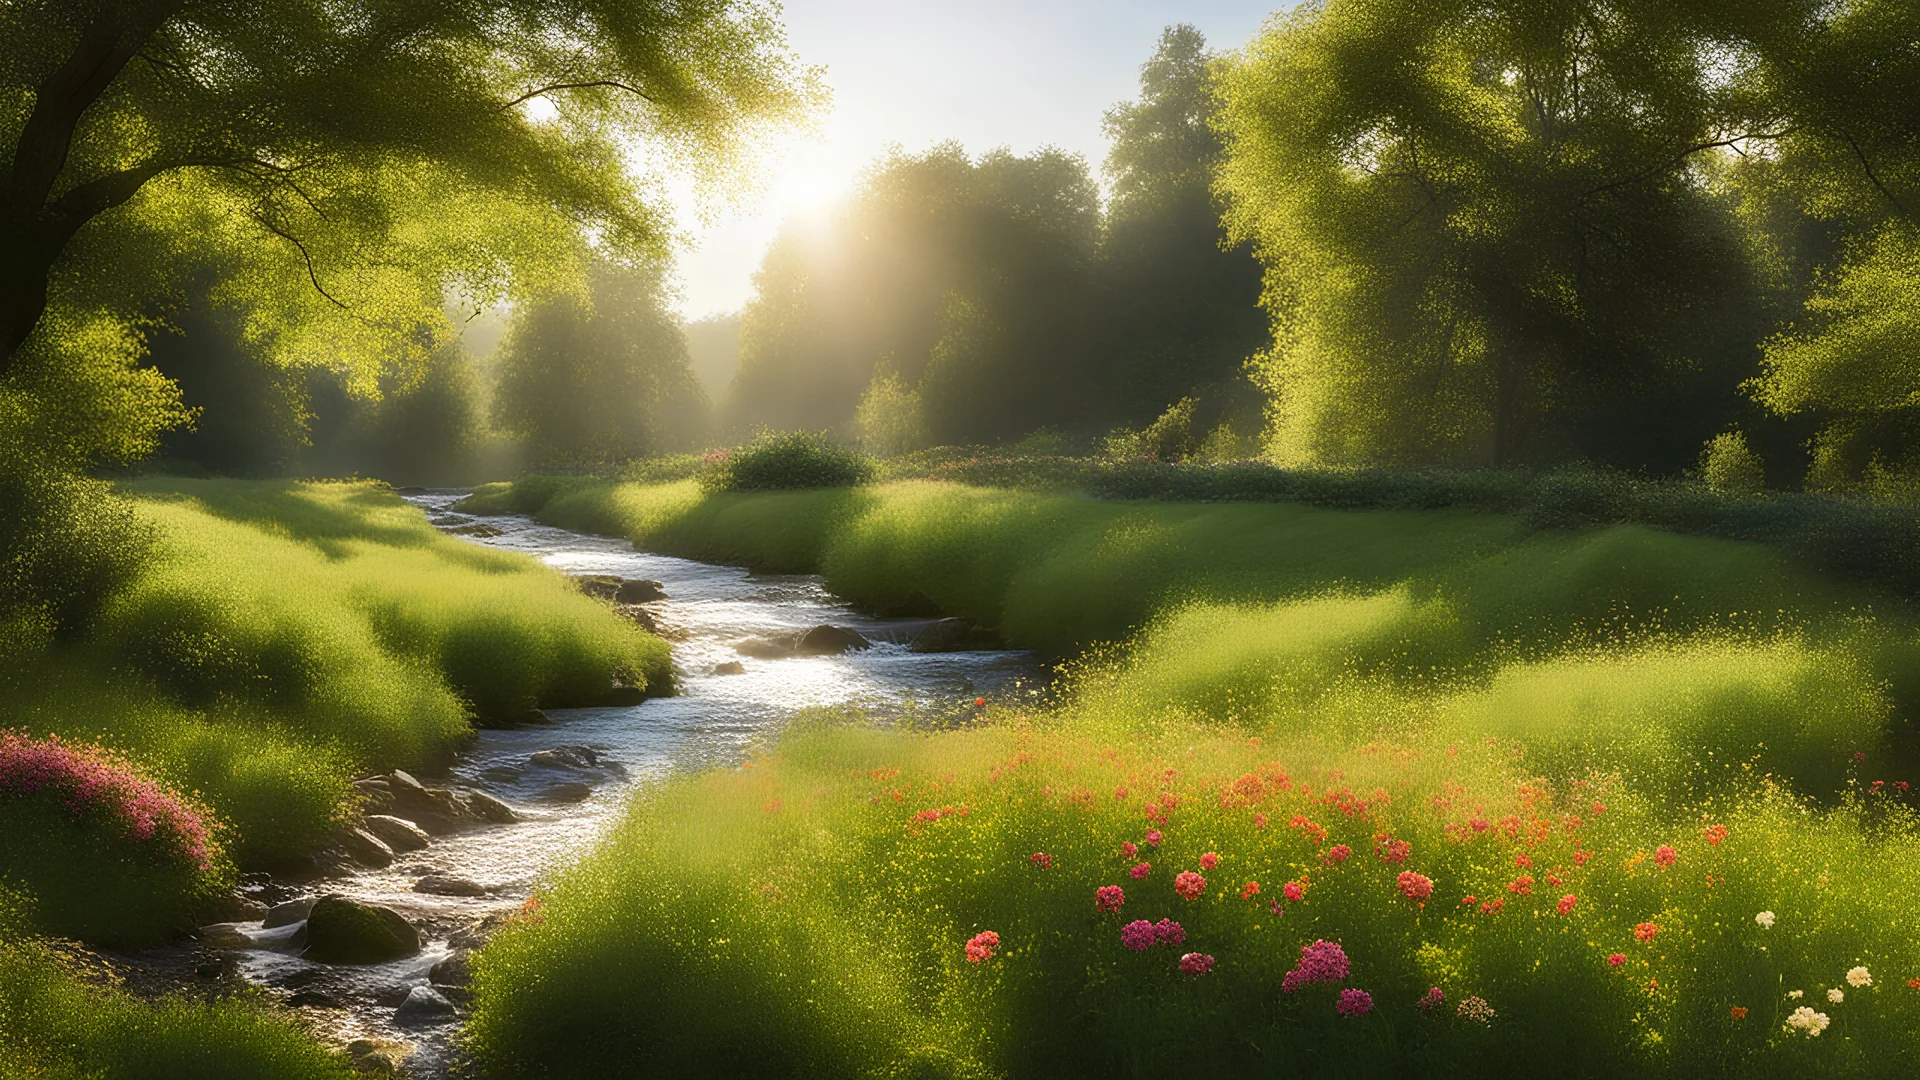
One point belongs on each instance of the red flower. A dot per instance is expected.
(1108, 898)
(1522, 860)
(1041, 859)
(1566, 903)
(1738, 1012)
(1336, 854)
(1140, 870)
(1249, 890)
(979, 702)
(1617, 959)
(1127, 849)
(1665, 855)
(981, 945)
(1209, 861)
(1714, 834)
(1189, 885)
(1470, 900)
(1294, 891)
(1415, 886)
(1580, 857)
(1522, 886)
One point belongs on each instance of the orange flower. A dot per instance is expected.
(1713, 834)
(1738, 1012)
(1645, 931)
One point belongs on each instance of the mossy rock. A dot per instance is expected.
(341, 931)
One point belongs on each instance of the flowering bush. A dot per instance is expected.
(109, 854)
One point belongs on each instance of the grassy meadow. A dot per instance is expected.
(1627, 800)
(279, 639)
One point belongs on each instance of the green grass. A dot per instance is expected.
(57, 1025)
(283, 637)
(1459, 681)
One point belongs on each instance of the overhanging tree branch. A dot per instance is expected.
(612, 84)
(1681, 157)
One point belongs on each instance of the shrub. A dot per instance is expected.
(108, 854)
(786, 460)
(1171, 437)
(1729, 467)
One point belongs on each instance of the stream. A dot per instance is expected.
(708, 611)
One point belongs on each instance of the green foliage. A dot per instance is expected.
(784, 460)
(1730, 467)
(603, 376)
(1481, 246)
(890, 419)
(332, 177)
(66, 546)
(58, 1022)
(1171, 437)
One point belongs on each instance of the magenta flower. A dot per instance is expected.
(92, 783)
(1320, 962)
(1432, 1000)
(1168, 932)
(1153, 837)
(1108, 898)
(1137, 935)
(1195, 963)
(1140, 870)
(1127, 849)
(1354, 1003)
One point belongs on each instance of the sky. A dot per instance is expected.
(987, 73)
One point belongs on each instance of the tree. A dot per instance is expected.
(1182, 308)
(936, 255)
(602, 375)
(1491, 228)
(347, 164)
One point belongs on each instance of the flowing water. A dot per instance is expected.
(709, 610)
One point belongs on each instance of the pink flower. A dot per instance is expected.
(1415, 886)
(1432, 1000)
(1665, 855)
(1168, 932)
(1189, 885)
(1354, 1003)
(1294, 891)
(1320, 962)
(1194, 963)
(1108, 898)
(1617, 959)
(1153, 837)
(981, 945)
(92, 783)
(1140, 870)
(1209, 861)
(1336, 854)
(1127, 849)
(1259, 821)
(1394, 850)
(1137, 935)
(1041, 859)
(1566, 903)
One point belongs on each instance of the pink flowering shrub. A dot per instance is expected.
(981, 945)
(1194, 963)
(1354, 1003)
(1109, 898)
(1138, 935)
(110, 854)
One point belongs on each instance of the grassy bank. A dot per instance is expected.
(280, 638)
(1676, 732)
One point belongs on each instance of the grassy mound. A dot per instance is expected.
(281, 637)
(811, 916)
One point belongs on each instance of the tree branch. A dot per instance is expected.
(312, 275)
(610, 83)
(1681, 157)
(1871, 175)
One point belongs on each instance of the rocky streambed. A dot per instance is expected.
(370, 942)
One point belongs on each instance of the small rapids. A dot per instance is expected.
(565, 799)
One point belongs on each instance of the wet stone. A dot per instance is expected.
(424, 1005)
(364, 848)
(452, 971)
(487, 808)
(567, 791)
(639, 591)
(288, 913)
(567, 757)
(398, 834)
(443, 885)
(827, 640)
(342, 931)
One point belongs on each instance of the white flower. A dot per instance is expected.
(1796, 994)
(1804, 1018)
(1765, 919)
(1859, 977)
(1836, 995)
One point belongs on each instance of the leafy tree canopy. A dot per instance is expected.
(337, 168)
